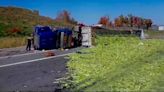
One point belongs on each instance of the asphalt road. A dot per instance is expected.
(13, 51)
(33, 72)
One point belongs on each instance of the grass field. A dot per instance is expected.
(118, 64)
(155, 34)
(9, 42)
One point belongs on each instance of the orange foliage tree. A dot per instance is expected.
(104, 20)
(65, 17)
(148, 23)
(118, 22)
(132, 21)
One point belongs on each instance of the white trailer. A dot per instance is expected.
(86, 36)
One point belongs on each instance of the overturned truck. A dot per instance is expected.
(48, 38)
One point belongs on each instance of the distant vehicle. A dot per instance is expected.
(154, 27)
(161, 28)
(97, 25)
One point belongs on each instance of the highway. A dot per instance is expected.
(33, 71)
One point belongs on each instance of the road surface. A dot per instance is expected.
(33, 71)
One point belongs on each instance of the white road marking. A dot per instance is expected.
(37, 52)
(29, 61)
(18, 55)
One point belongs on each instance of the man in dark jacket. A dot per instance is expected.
(80, 36)
(29, 43)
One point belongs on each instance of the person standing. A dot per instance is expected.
(29, 43)
(80, 36)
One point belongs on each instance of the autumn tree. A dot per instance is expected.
(65, 17)
(117, 22)
(148, 23)
(121, 18)
(132, 21)
(121, 21)
(104, 21)
(126, 21)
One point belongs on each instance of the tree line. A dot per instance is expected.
(126, 21)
